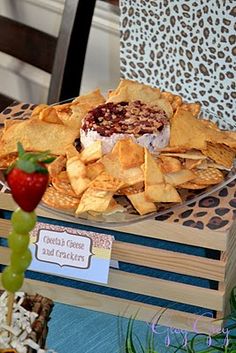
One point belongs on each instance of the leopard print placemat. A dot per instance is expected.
(186, 47)
(16, 111)
(215, 212)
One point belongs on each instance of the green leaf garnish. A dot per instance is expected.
(31, 162)
(26, 166)
(20, 149)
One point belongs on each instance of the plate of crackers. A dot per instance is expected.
(134, 154)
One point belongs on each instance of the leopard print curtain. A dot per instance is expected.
(187, 47)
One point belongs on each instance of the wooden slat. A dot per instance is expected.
(231, 244)
(177, 233)
(117, 306)
(5, 227)
(230, 258)
(156, 258)
(4, 255)
(170, 290)
(71, 50)
(221, 287)
(169, 260)
(149, 228)
(27, 44)
(156, 287)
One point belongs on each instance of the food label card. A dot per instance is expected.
(70, 252)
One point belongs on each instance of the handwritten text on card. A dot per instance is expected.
(64, 249)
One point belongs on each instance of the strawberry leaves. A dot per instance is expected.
(31, 162)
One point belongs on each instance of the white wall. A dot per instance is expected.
(23, 82)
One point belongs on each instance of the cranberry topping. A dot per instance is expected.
(131, 118)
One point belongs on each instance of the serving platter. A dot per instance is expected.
(129, 215)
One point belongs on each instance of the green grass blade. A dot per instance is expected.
(129, 344)
(233, 301)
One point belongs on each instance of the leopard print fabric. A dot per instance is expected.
(214, 212)
(187, 47)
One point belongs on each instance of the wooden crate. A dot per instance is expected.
(221, 270)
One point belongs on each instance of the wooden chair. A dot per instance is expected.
(63, 57)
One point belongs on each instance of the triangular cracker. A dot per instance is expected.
(220, 153)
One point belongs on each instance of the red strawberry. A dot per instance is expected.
(28, 178)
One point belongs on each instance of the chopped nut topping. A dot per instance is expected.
(131, 118)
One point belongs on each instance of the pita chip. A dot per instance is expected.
(152, 171)
(187, 131)
(130, 176)
(130, 91)
(179, 177)
(92, 98)
(141, 203)
(36, 135)
(94, 169)
(162, 193)
(105, 181)
(170, 164)
(94, 200)
(130, 153)
(76, 171)
(92, 153)
(192, 154)
(57, 166)
(220, 154)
